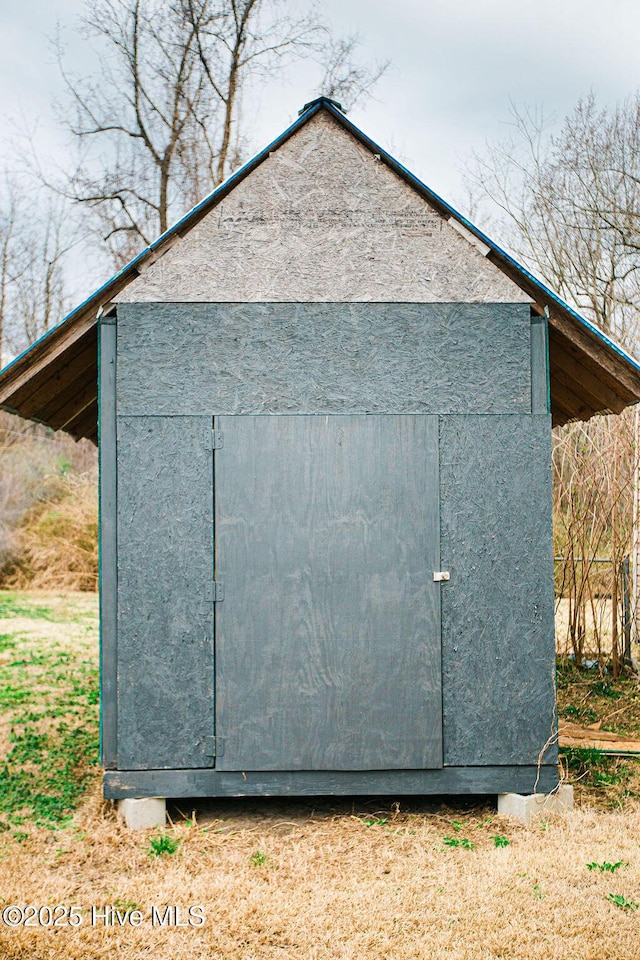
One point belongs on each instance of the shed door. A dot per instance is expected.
(327, 642)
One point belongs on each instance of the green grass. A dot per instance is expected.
(595, 768)
(49, 694)
(586, 696)
(622, 902)
(607, 867)
(15, 604)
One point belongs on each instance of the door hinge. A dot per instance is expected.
(214, 591)
(441, 575)
(213, 747)
(212, 439)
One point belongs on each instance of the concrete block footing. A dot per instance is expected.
(527, 807)
(142, 812)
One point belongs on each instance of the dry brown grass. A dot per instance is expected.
(48, 508)
(333, 887)
(333, 879)
(55, 545)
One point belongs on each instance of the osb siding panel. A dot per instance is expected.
(497, 609)
(323, 358)
(322, 219)
(165, 558)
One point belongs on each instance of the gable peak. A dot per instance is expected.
(322, 102)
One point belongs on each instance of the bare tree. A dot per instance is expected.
(34, 238)
(9, 258)
(39, 297)
(346, 78)
(158, 126)
(569, 205)
(593, 473)
(567, 198)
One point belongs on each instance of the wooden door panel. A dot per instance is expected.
(328, 637)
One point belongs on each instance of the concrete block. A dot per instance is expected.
(142, 812)
(527, 807)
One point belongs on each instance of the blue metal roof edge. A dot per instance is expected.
(312, 108)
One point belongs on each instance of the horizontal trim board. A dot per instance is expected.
(218, 413)
(119, 784)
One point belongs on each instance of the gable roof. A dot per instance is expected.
(55, 381)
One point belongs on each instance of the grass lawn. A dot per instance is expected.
(392, 879)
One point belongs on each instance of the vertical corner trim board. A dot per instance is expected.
(497, 610)
(165, 633)
(108, 540)
(540, 386)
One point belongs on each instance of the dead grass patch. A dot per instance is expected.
(331, 886)
(55, 545)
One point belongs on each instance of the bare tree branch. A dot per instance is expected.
(569, 205)
(159, 125)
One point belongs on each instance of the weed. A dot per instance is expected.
(601, 778)
(163, 844)
(7, 641)
(584, 714)
(622, 902)
(258, 859)
(595, 768)
(537, 892)
(375, 821)
(605, 689)
(499, 840)
(463, 842)
(606, 867)
(56, 542)
(124, 905)
(583, 757)
(456, 825)
(12, 605)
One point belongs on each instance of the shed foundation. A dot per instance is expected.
(140, 813)
(528, 807)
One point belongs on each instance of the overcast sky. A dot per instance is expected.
(456, 64)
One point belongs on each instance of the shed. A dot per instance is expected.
(324, 401)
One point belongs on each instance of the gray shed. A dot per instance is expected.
(324, 404)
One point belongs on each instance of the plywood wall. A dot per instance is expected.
(323, 219)
(201, 359)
